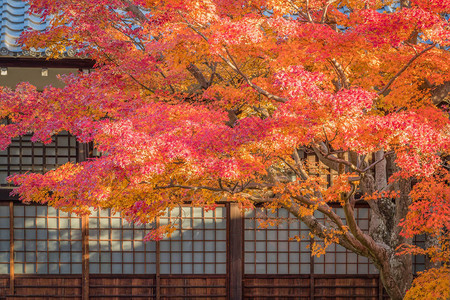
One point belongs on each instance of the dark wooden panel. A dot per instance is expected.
(35, 287)
(276, 288)
(49, 63)
(202, 287)
(4, 286)
(325, 287)
(346, 288)
(121, 287)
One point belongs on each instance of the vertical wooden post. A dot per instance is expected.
(158, 274)
(380, 289)
(82, 155)
(235, 246)
(85, 259)
(11, 248)
(311, 286)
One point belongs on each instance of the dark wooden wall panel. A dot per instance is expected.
(331, 287)
(4, 286)
(38, 287)
(346, 288)
(122, 287)
(278, 287)
(201, 287)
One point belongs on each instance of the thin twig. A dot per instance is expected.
(409, 63)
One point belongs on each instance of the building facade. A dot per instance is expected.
(214, 254)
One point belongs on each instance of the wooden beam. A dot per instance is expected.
(26, 62)
(5, 194)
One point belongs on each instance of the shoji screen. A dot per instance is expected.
(270, 250)
(198, 246)
(23, 155)
(46, 241)
(4, 238)
(339, 260)
(117, 247)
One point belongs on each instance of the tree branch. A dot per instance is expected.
(195, 71)
(340, 73)
(325, 11)
(409, 63)
(365, 239)
(260, 90)
(135, 10)
(298, 163)
(345, 240)
(327, 155)
(378, 161)
(187, 187)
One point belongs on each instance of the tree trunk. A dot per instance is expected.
(396, 271)
(396, 274)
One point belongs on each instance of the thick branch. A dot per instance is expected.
(325, 11)
(319, 229)
(379, 160)
(336, 160)
(135, 10)
(299, 165)
(300, 12)
(329, 163)
(340, 72)
(366, 240)
(195, 71)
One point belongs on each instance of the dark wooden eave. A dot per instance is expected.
(5, 194)
(30, 62)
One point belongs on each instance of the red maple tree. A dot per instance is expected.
(206, 100)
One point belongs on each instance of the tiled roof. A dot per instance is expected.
(14, 19)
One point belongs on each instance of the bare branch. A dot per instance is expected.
(291, 167)
(346, 240)
(307, 12)
(327, 155)
(135, 10)
(300, 12)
